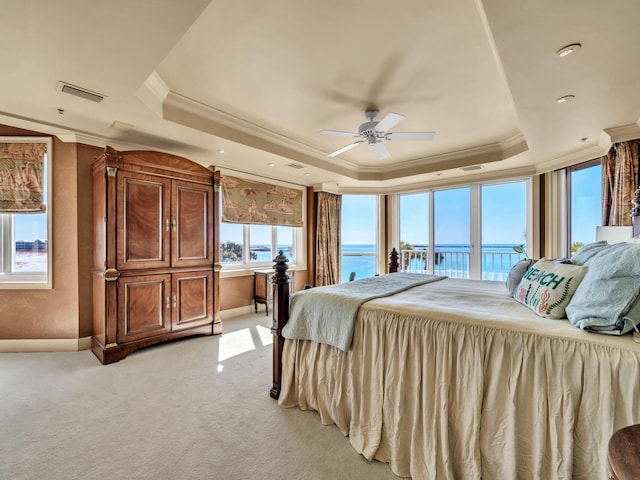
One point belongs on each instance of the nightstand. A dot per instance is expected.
(263, 288)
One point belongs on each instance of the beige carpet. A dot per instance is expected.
(197, 408)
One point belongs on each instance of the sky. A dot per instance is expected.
(503, 213)
(586, 203)
(31, 226)
(504, 216)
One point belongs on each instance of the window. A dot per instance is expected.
(414, 231)
(452, 238)
(25, 247)
(585, 203)
(504, 225)
(493, 216)
(359, 225)
(260, 240)
(250, 246)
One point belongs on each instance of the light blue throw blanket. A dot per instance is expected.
(327, 314)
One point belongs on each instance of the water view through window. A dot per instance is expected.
(498, 224)
(585, 197)
(359, 233)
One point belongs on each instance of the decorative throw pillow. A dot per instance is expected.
(516, 273)
(606, 295)
(547, 287)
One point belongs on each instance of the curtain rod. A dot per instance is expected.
(261, 176)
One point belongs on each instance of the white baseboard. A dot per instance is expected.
(45, 345)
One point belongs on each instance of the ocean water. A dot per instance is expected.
(264, 254)
(454, 260)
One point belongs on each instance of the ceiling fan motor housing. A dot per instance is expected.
(368, 129)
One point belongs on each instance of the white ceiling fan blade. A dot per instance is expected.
(380, 150)
(390, 120)
(337, 132)
(410, 136)
(345, 149)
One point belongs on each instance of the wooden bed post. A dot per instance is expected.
(393, 261)
(280, 317)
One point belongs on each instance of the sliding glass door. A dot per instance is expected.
(452, 232)
(472, 230)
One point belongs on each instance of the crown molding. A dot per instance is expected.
(331, 187)
(624, 133)
(191, 113)
(592, 151)
(483, 154)
(153, 92)
(514, 145)
(442, 182)
(84, 139)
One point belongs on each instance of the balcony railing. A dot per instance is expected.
(455, 264)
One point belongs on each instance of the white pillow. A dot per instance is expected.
(516, 273)
(547, 287)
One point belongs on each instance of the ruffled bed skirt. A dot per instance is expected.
(442, 399)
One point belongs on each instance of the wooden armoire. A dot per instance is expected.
(155, 261)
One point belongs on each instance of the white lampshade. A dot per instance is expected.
(614, 234)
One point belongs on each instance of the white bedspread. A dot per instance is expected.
(328, 314)
(456, 380)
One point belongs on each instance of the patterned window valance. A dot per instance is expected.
(248, 201)
(22, 177)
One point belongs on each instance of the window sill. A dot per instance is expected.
(231, 272)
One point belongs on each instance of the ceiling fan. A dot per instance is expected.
(374, 132)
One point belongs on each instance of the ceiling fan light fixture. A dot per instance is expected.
(568, 50)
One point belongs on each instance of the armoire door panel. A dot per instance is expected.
(144, 304)
(192, 233)
(143, 221)
(193, 301)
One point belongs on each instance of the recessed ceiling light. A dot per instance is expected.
(220, 151)
(568, 50)
(271, 164)
(565, 98)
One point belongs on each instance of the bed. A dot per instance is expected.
(456, 379)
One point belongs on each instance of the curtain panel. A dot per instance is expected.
(328, 239)
(22, 177)
(619, 181)
(248, 201)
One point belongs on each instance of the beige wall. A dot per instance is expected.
(62, 312)
(237, 292)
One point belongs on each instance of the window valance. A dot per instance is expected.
(248, 201)
(22, 177)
